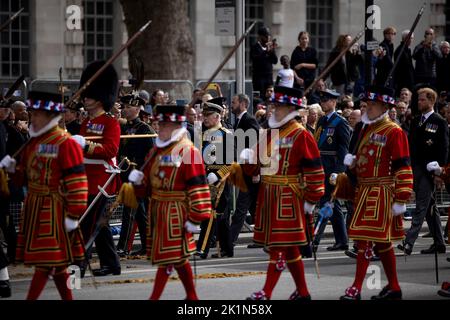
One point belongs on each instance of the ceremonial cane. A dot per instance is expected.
(308, 235)
(436, 263)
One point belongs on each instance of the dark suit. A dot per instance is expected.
(262, 67)
(333, 138)
(135, 150)
(404, 72)
(73, 127)
(428, 142)
(246, 201)
(384, 65)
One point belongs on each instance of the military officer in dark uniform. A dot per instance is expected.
(333, 138)
(135, 150)
(428, 142)
(215, 140)
(71, 116)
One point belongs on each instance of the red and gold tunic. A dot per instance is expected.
(384, 176)
(52, 165)
(175, 180)
(100, 155)
(296, 175)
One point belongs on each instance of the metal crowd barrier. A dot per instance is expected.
(442, 201)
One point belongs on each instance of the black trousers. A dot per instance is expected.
(104, 242)
(219, 230)
(9, 232)
(128, 217)
(425, 208)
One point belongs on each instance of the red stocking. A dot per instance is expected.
(185, 274)
(362, 263)
(60, 279)
(387, 257)
(38, 282)
(273, 273)
(297, 269)
(160, 282)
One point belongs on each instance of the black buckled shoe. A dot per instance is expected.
(141, 252)
(448, 259)
(255, 246)
(223, 254)
(296, 297)
(388, 294)
(351, 294)
(106, 271)
(434, 248)
(406, 248)
(338, 247)
(445, 290)
(122, 253)
(351, 253)
(5, 288)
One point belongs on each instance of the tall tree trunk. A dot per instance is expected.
(166, 47)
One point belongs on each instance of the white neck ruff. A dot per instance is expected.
(365, 119)
(275, 125)
(53, 123)
(176, 136)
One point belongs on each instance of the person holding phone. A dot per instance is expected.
(426, 55)
(263, 56)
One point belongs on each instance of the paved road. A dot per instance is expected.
(235, 278)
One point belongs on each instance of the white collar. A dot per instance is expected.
(53, 123)
(241, 114)
(176, 136)
(365, 118)
(262, 47)
(275, 125)
(427, 115)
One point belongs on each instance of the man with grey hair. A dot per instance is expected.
(443, 68)
(404, 73)
(215, 140)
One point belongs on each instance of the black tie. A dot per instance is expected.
(236, 124)
(422, 120)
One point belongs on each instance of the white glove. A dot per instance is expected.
(212, 178)
(190, 227)
(398, 208)
(80, 140)
(309, 207)
(333, 178)
(70, 224)
(434, 166)
(349, 160)
(136, 177)
(8, 163)
(256, 179)
(247, 155)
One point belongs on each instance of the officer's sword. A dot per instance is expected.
(102, 189)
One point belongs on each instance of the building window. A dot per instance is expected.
(15, 40)
(98, 30)
(319, 24)
(447, 19)
(254, 11)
